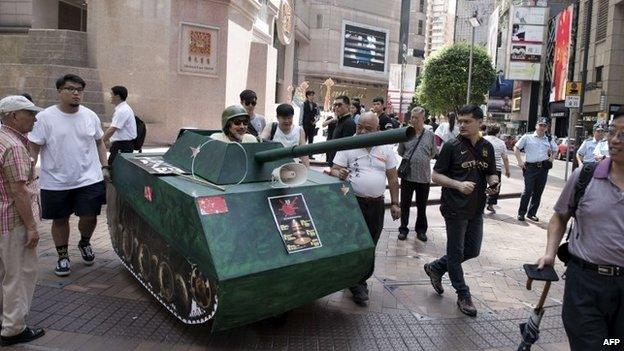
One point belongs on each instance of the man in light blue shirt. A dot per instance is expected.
(585, 153)
(540, 150)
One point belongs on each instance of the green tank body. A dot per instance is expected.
(211, 233)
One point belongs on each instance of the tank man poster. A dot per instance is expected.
(294, 223)
(198, 49)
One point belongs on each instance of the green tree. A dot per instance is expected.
(444, 81)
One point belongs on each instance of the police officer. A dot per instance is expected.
(593, 299)
(540, 150)
(585, 153)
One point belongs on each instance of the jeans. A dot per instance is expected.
(534, 182)
(373, 211)
(463, 242)
(422, 195)
(593, 309)
(493, 199)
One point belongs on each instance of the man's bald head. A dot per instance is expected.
(368, 123)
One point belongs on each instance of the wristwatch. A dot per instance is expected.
(394, 203)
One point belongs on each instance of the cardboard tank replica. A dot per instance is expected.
(230, 233)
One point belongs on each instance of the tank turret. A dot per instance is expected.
(208, 233)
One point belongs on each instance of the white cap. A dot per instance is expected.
(16, 103)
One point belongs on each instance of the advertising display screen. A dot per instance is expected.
(500, 95)
(525, 46)
(561, 59)
(364, 47)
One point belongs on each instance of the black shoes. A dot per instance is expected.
(436, 279)
(421, 236)
(402, 236)
(466, 306)
(521, 218)
(491, 209)
(533, 218)
(25, 336)
(360, 294)
(87, 254)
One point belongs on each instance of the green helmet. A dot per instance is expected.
(232, 112)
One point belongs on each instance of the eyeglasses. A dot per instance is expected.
(252, 103)
(619, 134)
(338, 104)
(73, 90)
(238, 122)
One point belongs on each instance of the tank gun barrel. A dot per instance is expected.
(354, 142)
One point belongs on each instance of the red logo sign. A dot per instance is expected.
(288, 207)
(147, 192)
(212, 205)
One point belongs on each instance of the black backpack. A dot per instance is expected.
(273, 130)
(585, 177)
(141, 132)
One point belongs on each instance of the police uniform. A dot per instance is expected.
(537, 150)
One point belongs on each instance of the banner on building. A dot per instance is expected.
(198, 49)
(394, 86)
(500, 95)
(561, 59)
(364, 47)
(527, 27)
(492, 44)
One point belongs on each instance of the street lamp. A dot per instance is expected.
(474, 22)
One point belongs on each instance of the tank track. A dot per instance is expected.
(176, 283)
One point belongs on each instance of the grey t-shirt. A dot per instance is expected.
(420, 167)
(258, 122)
(598, 235)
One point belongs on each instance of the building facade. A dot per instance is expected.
(465, 9)
(440, 25)
(183, 61)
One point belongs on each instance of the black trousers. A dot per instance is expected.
(373, 211)
(117, 147)
(422, 195)
(493, 199)
(593, 309)
(534, 182)
(309, 133)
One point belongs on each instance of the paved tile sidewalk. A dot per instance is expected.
(103, 308)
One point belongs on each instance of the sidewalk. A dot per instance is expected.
(103, 308)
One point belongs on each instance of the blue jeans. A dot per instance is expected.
(463, 242)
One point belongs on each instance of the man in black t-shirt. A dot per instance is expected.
(385, 122)
(343, 122)
(465, 167)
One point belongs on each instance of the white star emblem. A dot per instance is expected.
(195, 151)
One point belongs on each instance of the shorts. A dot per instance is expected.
(85, 201)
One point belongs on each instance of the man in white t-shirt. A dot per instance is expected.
(367, 169)
(73, 168)
(123, 129)
(257, 123)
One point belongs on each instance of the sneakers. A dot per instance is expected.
(436, 279)
(466, 306)
(421, 236)
(402, 236)
(533, 218)
(491, 209)
(87, 254)
(521, 218)
(25, 336)
(62, 267)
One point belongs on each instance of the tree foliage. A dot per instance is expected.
(444, 80)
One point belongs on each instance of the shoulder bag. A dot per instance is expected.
(406, 166)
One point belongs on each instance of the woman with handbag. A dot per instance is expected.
(415, 174)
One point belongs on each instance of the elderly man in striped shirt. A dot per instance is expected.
(18, 220)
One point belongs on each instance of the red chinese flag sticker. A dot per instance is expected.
(212, 205)
(147, 192)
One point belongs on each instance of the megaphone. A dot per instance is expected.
(290, 174)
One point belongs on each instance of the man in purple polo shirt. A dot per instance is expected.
(593, 302)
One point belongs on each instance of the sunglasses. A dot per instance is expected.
(252, 103)
(238, 122)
